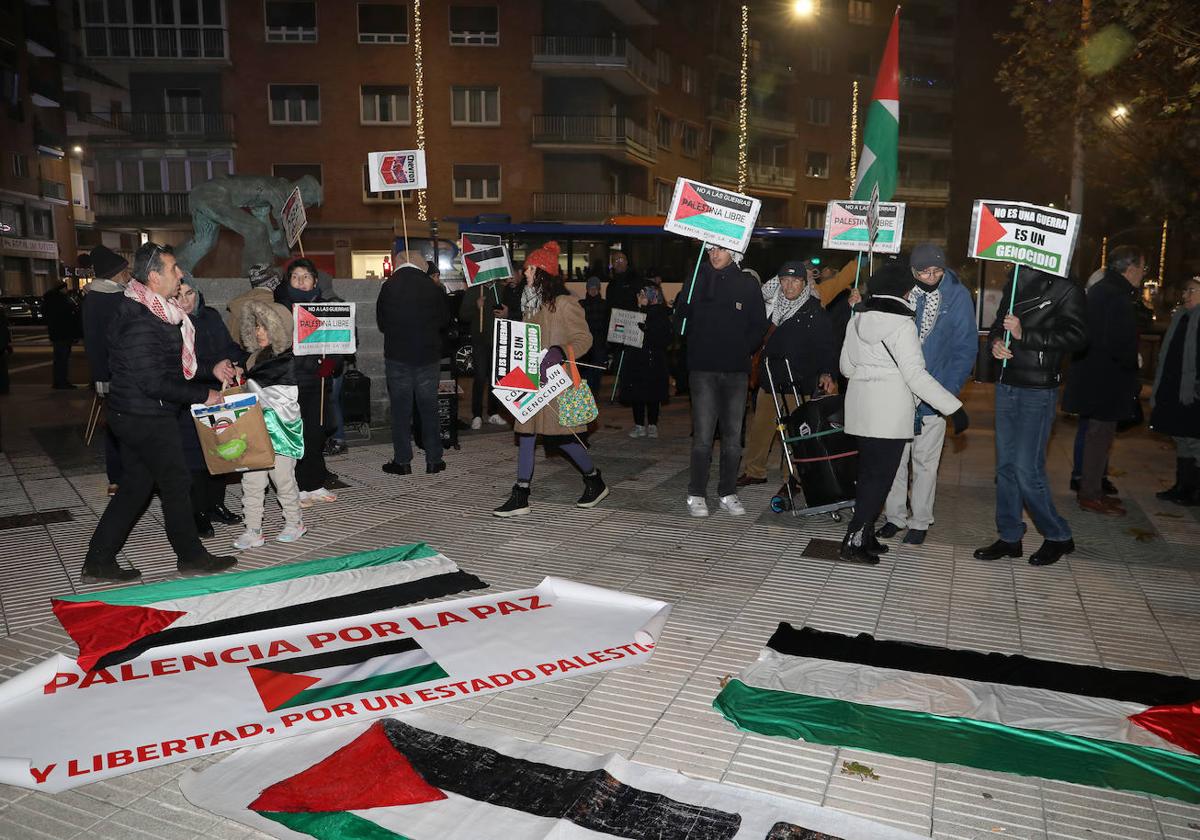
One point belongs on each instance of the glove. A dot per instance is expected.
(960, 421)
(326, 368)
(554, 356)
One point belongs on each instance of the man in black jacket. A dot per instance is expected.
(726, 321)
(412, 312)
(152, 359)
(100, 305)
(1046, 324)
(62, 324)
(1102, 384)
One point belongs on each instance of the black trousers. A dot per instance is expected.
(151, 454)
(208, 491)
(310, 469)
(878, 460)
(645, 411)
(62, 359)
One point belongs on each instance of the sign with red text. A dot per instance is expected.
(62, 726)
(323, 329)
(713, 215)
(1025, 234)
(523, 405)
(395, 171)
(294, 220)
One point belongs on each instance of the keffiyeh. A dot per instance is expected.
(927, 309)
(168, 311)
(779, 308)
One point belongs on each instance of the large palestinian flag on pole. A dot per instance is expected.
(116, 625)
(423, 778)
(877, 163)
(1125, 730)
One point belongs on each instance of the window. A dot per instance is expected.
(12, 219)
(288, 21)
(814, 216)
(384, 197)
(295, 104)
(475, 106)
(20, 165)
(817, 165)
(822, 61)
(687, 79)
(663, 60)
(385, 105)
(41, 223)
(691, 140)
(296, 171)
(382, 23)
(663, 127)
(475, 182)
(154, 28)
(818, 110)
(664, 191)
(475, 26)
(860, 11)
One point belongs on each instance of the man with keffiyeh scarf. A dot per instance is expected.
(152, 357)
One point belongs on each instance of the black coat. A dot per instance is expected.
(1102, 382)
(806, 341)
(597, 311)
(644, 373)
(411, 313)
(144, 354)
(62, 316)
(213, 344)
(482, 325)
(309, 368)
(99, 308)
(727, 320)
(622, 290)
(1170, 416)
(1053, 325)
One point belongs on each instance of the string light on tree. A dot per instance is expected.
(853, 134)
(419, 77)
(743, 92)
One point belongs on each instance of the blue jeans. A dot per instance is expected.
(404, 383)
(1024, 417)
(717, 398)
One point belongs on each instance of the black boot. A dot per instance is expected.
(594, 490)
(204, 528)
(999, 549)
(1178, 491)
(1190, 497)
(1051, 552)
(104, 572)
(223, 514)
(517, 504)
(854, 548)
(872, 543)
(205, 564)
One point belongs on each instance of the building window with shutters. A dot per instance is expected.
(20, 165)
(663, 59)
(818, 110)
(385, 105)
(822, 60)
(295, 104)
(474, 106)
(688, 81)
(817, 165)
(382, 23)
(475, 26)
(477, 183)
(814, 216)
(663, 130)
(690, 141)
(664, 191)
(860, 12)
(290, 21)
(384, 196)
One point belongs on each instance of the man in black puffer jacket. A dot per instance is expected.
(1047, 324)
(151, 355)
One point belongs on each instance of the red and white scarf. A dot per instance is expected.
(168, 311)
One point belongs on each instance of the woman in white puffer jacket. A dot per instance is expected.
(882, 359)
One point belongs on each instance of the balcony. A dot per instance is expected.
(615, 60)
(55, 190)
(921, 142)
(929, 88)
(158, 207)
(184, 43)
(587, 207)
(923, 191)
(759, 176)
(617, 137)
(157, 128)
(762, 118)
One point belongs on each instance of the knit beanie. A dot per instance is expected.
(545, 258)
(893, 279)
(106, 263)
(263, 276)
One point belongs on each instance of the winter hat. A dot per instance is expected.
(892, 279)
(927, 255)
(793, 268)
(593, 282)
(263, 276)
(545, 258)
(107, 263)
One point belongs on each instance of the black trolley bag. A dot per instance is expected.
(826, 458)
(356, 398)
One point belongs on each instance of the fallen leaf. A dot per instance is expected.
(987, 795)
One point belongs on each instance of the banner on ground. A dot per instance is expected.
(516, 355)
(711, 214)
(426, 781)
(323, 329)
(847, 226)
(294, 220)
(624, 327)
(1026, 234)
(1125, 730)
(62, 726)
(523, 405)
(395, 171)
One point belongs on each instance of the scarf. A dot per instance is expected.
(1187, 379)
(928, 301)
(168, 311)
(778, 306)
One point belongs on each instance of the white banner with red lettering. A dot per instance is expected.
(61, 727)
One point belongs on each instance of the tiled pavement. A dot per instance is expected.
(1129, 597)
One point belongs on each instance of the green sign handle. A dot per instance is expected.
(691, 288)
(857, 269)
(1012, 301)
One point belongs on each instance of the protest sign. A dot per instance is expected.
(523, 405)
(1024, 234)
(713, 215)
(623, 327)
(847, 226)
(322, 329)
(484, 265)
(516, 347)
(395, 171)
(294, 220)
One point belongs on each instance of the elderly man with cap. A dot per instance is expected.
(799, 335)
(726, 321)
(946, 328)
(100, 305)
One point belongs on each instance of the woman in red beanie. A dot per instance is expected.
(563, 325)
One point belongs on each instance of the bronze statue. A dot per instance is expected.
(245, 205)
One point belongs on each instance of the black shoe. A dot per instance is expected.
(204, 528)
(1051, 552)
(1108, 487)
(517, 504)
(887, 531)
(915, 536)
(1074, 484)
(224, 515)
(999, 549)
(440, 466)
(594, 490)
(335, 447)
(1178, 492)
(108, 572)
(392, 468)
(871, 543)
(854, 550)
(205, 564)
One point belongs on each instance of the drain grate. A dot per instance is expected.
(26, 520)
(819, 549)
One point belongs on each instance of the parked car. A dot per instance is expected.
(26, 309)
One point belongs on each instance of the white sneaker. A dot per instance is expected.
(697, 506)
(249, 539)
(476, 423)
(290, 533)
(652, 431)
(497, 420)
(732, 505)
(638, 432)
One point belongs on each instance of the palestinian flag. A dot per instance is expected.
(116, 625)
(486, 265)
(1125, 730)
(881, 134)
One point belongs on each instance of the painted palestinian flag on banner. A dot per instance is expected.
(425, 778)
(116, 625)
(1125, 730)
(878, 161)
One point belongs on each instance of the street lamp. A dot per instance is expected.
(804, 8)
(1119, 112)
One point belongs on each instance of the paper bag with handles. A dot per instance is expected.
(233, 434)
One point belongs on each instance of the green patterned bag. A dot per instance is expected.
(576, 406)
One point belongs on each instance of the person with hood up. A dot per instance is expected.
(645, 379)
(564, 328)
(882, 360)
(100, 306)
(1175, 404)
(271, 373)
(264, 280)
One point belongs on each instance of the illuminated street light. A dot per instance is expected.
(77, 149)
(1120, 112)
(804, 8)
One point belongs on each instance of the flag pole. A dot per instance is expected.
(857, 268)
(1012, 302)
(691, 288)
(404, 222)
